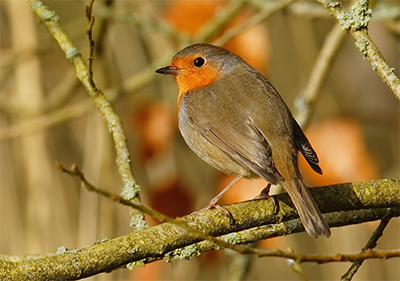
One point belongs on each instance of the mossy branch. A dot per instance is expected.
(355, 23)
(343, 204)
(83, 72)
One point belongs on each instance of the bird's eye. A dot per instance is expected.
(198, 62)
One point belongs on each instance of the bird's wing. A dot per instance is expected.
(239, 138)
(305, 147)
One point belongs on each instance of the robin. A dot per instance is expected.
(232, 117)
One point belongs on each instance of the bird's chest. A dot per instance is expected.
(195, 117)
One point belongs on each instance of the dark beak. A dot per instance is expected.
(168, 70)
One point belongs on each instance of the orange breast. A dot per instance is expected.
(192, 78)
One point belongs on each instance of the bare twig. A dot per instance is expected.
(48, 120)
(144, 23)
(74, 171)
(220, 21)
(77, 109)
(305, 101)
(372, 242)
(266, 12)
(89, 32)
(320, 258)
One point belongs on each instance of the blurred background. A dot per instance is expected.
(47, 116)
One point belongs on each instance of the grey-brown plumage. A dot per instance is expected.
(234, 119)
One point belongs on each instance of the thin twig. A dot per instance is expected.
(145, 23)
(74, 171)
(89, 32)
(305, 101)
(265, 13)
(79, 108)
(220, 21)
(372, 242)
(48, 120)
(320, 258)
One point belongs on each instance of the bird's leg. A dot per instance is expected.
(265, 195)
(214, 202)
(265, 192)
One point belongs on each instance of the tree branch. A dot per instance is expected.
(131, 187)
(355, 23)
(342, 204)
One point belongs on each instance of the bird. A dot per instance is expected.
(232, 117)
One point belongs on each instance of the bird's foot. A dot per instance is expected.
(214, 205)
(264, 194)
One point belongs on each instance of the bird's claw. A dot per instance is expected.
(264, 194)
(215, 205)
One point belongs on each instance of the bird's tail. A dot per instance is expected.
(309, 213)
